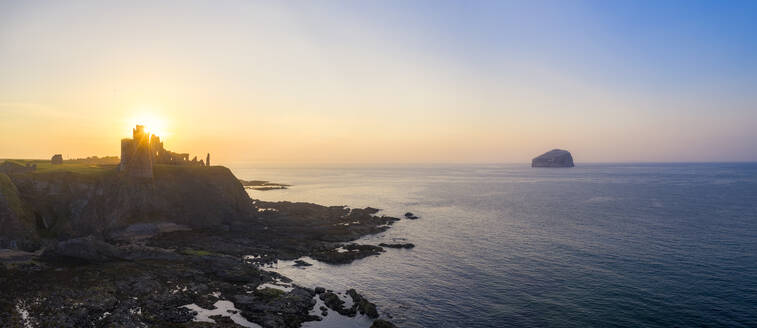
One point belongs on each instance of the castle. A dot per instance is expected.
(142, 151)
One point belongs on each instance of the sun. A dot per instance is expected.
(153, 123)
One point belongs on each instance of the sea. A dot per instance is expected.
(507, 245)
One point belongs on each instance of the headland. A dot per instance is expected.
(117, 245)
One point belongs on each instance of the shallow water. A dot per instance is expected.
(631, 245)
(221, 308)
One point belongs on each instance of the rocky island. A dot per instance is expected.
(125, 246)
(553, 158)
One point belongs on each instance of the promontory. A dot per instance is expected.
(153, 239)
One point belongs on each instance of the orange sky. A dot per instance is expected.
(284, 82)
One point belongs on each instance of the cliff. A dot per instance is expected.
(64, 204)
(553, 158)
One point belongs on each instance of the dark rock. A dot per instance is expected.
(363, 305)
(553, 158)
(411, 216)
(86, 248)
(380, 323)
(320, 290)
(349, 253)
(371, 210)
(332, 301)
(405, 245)
(301, 263)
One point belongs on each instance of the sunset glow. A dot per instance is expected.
(153, 123)
(302, 82)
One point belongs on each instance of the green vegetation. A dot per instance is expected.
(269, 292)
(196, 252)
(10, 193)
(44, 166)
(169, 169)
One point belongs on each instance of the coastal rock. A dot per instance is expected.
(90, 249)
(380, 323)
(363, 305)
(86, 248)
(152, 248)
(410, 216)
(346, 253)
(16, 224)
(68, 204)
(405, 245)
(553, 158)
(301, 263)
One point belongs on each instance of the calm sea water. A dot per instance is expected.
(615, 245)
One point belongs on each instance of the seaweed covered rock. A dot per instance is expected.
(380, 323)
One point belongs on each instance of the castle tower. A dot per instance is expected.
(127, 149)
(136, 156)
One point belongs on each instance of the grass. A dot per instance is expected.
(10, 192)
(44, 166)
(269, 292)
(196, 252)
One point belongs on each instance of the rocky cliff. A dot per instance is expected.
(553, 158)
(59, 205)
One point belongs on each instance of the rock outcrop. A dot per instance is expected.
(553, 158)
(109, 205)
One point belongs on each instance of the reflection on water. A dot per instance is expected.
(509, 246)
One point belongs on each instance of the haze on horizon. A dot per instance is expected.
(382, 81)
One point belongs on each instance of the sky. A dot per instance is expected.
(382, 81)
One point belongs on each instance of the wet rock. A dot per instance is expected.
(346, 254)
(86, 248)
(324, 311)
(410, 215)
(320, 290)
(243, 299)
(399, 245)
(380, 323)
(301, 263)
(363, 305)
(371, 210)
(285, 310)
(332, 301)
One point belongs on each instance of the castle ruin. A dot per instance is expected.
(142, 151)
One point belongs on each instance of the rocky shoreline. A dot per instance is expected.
(166, 274)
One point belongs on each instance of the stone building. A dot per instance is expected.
(136, 157)
(139, 154)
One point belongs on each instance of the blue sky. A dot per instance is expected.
(385, 81)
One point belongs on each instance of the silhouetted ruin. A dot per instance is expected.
(57, 159)
(142, 151)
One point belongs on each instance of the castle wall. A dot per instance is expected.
(140, 163)
(139, 154)
(127, 149)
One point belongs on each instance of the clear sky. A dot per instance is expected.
(382, 81)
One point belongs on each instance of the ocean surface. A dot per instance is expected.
(598, 245)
